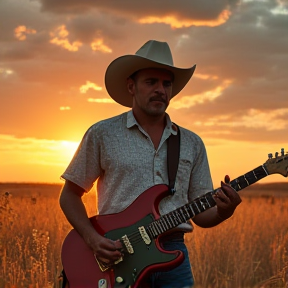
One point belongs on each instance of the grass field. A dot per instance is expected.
(248, 250)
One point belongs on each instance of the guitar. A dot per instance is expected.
(139, 227)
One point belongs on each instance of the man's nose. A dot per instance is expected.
(160, 88)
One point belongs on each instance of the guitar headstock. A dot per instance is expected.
(278, 164)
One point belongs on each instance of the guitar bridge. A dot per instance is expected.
(103, 267)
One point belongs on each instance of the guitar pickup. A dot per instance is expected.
(127, 244)
(144, 235)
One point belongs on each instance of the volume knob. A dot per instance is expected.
(119, 279)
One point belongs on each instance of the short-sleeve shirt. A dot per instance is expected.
(121, 156)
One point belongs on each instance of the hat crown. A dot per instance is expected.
(156, 51)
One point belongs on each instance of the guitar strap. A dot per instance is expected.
(173, 153)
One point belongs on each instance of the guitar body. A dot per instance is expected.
(83, 271)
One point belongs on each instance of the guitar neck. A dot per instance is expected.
(200, 204)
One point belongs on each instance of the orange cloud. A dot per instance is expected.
(21, 31)
(59, 37)
(269, 120)
(189, 101)
(103, 100)
(97, 45)
(89, 85)
(180, 23)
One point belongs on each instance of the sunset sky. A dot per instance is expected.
(54, 54)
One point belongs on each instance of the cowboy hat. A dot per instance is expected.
(153, 54)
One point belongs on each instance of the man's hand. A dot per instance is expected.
(105, 250)
(227, 199)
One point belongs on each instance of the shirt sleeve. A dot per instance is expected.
(85, 168)
(200, 177)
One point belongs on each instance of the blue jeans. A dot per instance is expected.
(179, 277)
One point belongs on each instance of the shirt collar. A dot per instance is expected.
(170, 126)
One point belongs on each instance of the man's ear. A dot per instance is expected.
(131, 86)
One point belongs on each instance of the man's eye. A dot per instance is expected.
(167, 83)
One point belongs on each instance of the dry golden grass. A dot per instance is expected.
(248, 250)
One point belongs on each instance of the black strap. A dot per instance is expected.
(173, 153)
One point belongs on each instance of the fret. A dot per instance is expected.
(154, 233)
(181, 215)
(163, 219)
(195, 203)
(177, 217)
(192, 210)
(187, 212)
(170, 225)
(211, 199)
(160, 228)
(209, 206)
(156, 228)
(172, 220)
(246, 180)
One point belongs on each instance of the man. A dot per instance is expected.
(128, 154)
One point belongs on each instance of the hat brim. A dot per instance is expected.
(121, 68)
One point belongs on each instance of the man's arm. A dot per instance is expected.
(227, 199)
(75, 212)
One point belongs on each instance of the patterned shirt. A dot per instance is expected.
(121, 156)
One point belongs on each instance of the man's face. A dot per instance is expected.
(151, 90)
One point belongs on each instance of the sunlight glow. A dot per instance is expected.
(21, 32)
(59, 37)
(6, 72)
(179, 23)
(31, 151)
(89, 85)
(189, 101)
(32, 160)
(62, 108)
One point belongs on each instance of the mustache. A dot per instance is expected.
(158, 98)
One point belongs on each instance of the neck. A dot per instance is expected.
(150, 122)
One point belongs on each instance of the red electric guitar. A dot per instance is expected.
(139, 227)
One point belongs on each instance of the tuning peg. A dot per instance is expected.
(276, 154)
(282, 151)
(270, 155)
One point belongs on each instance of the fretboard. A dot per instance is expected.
(200, 204)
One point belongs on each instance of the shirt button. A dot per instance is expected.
(158, 173)
(174, 127)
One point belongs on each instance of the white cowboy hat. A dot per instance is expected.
(153, 54)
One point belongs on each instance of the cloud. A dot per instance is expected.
(182, 9)
(59, 37)
(98, 45)
(252, 119)
(207, 96)
(180, 23)
(22, 31)
(89, 85)
(63, 108)
(104, 101)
